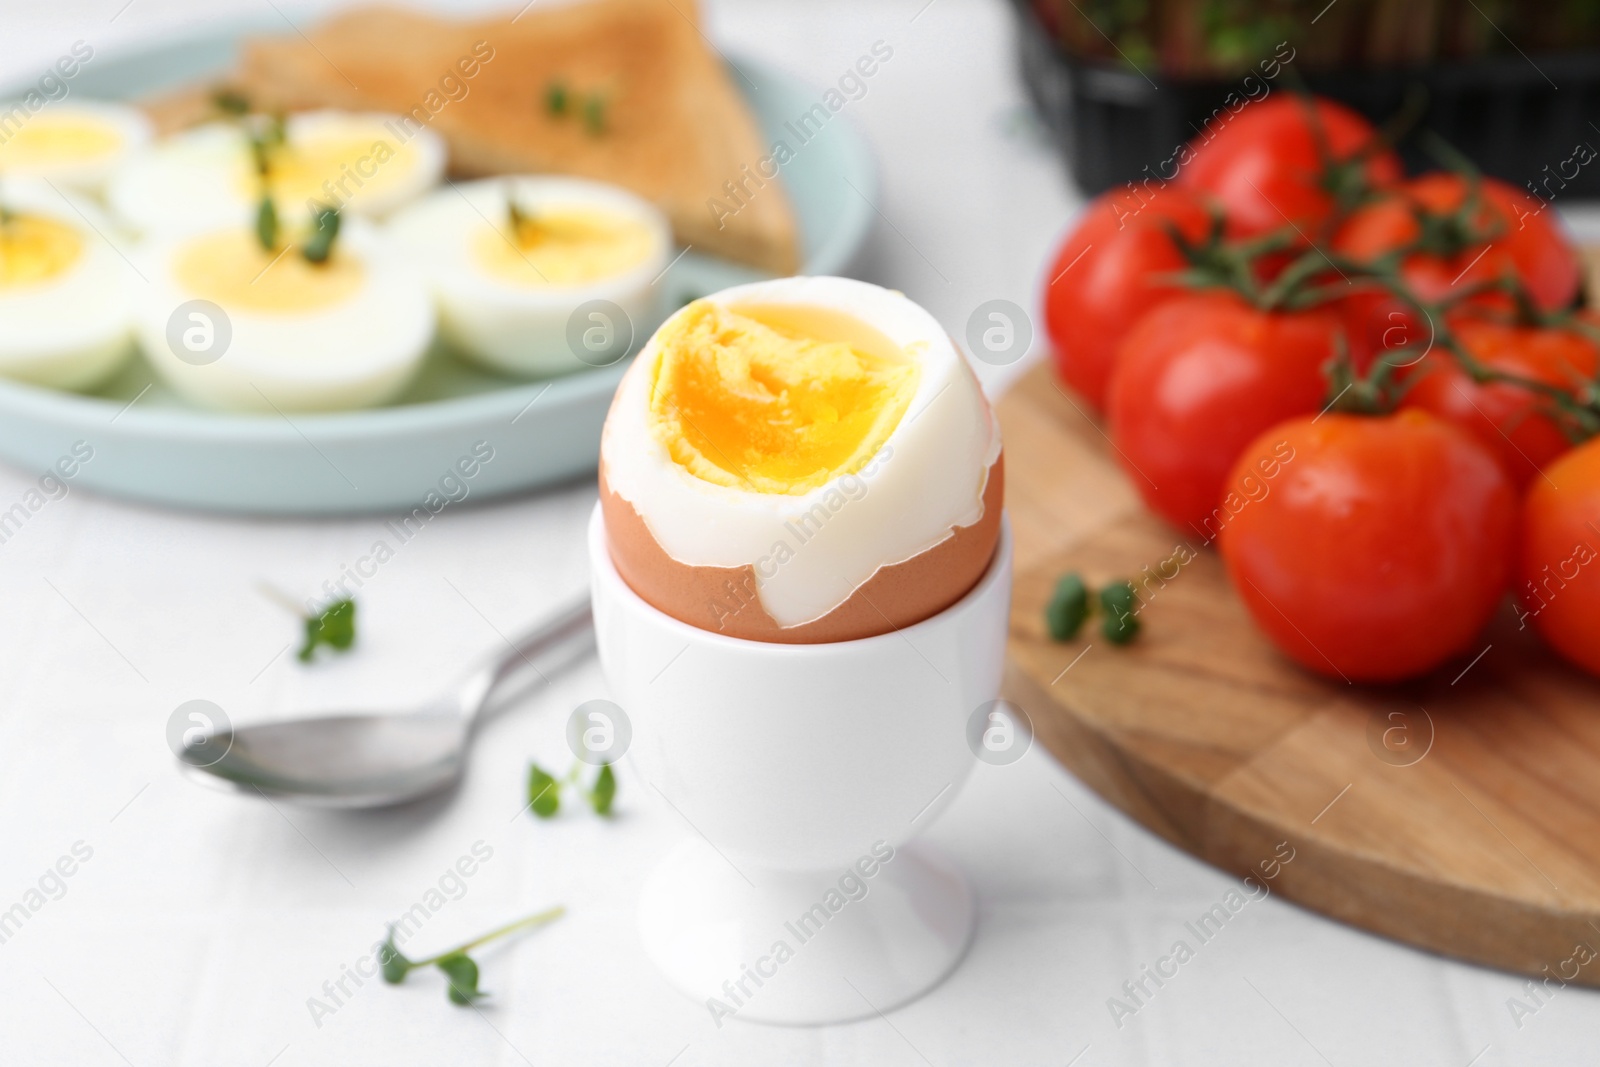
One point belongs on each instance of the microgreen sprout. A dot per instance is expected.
(265, 135)
(1119, 603)
(544, 789)
(556, 99)
(460, 969)
(1068, 607)
(559, 102)
(324, 233)
(594, 114)
(231, 102)
(1073, 601)
(522, 221)
(335, 627)
(267, 224)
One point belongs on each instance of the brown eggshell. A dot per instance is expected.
(723, 599)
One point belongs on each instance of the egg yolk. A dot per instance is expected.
(775, 403)
(46, 141)
(231, 269)
(329, 167)
(564, 246)
(35, 249)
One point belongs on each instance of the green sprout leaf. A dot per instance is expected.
(604, 791)
(334, 627)
(1068, 607)
(326, 231)
(231, 102)
(556, 99)
(463, 975)
(1120, 602)
(544, 792)
(395, 965)
(458, 967)
(267, 225)
(594, 113)
(544, 789)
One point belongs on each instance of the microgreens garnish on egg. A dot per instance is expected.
(522, 221)
(544, 789)
(459, 968)
(267, 224)
(324, 233)
(266, 137)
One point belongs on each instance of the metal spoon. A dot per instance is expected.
(370, 761)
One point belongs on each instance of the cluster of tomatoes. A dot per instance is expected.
(1374, 394)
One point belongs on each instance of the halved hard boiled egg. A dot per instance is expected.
(539, 276)
(65, 315)
(362, 164)
(801, 460)
(232, 325)
(74, 144)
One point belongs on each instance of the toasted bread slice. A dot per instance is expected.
(648, 106)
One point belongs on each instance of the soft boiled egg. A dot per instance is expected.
(74, 144)
(65, 316)
(362, 164)
(801, 460)
(530, 273)
(231, 325)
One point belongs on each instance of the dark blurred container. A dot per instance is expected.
(1115, 124)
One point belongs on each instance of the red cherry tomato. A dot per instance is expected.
(1379, 549)
(1560, 573)
(1512, 421)
(1267, 165)
(1106, 275)
(1196, 380)
(1528, 244)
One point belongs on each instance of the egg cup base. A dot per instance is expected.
(802, 772)
(771, 950)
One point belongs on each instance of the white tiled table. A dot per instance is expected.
(202, 923)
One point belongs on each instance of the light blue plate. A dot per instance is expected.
(150, 445)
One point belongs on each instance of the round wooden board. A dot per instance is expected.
(1472, 830)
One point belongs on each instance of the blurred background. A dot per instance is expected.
(205, 923)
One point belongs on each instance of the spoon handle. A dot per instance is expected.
(551, 644)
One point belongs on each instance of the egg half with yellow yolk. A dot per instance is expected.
(508, 288)
(66, 316)
(801, 460)
(75, 144)
(363, 164)
(278, 333)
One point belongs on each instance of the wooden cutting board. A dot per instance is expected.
(1460, 813)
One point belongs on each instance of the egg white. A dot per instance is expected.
(928, 478)
(74, 330)
(513, 328)
(191, 180)
(130, 127)
(353, 354)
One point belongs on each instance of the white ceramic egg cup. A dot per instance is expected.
(803, 772)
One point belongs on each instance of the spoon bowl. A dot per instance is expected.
(345, 761)
(349, 760)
